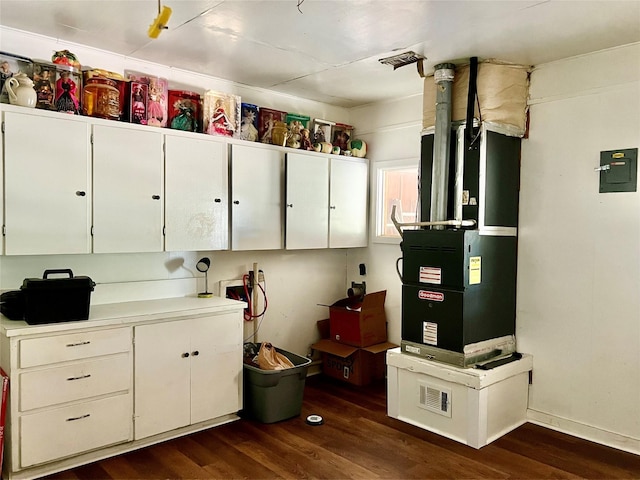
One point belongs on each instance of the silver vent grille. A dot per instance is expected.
(435, 399)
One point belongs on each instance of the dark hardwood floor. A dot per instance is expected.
(358, 440)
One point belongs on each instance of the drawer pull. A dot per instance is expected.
(185, 355)
(73, 419)
(79, 378)
(195, 353)
(78, 344)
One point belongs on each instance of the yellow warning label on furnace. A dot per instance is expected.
(475, 270)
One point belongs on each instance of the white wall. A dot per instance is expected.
(296, 281)
(392, 132)
(578, 309)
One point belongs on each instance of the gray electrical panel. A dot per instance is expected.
(619, 171)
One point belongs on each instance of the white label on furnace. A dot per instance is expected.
(430, 333)
(431, 275)
(475, 270)
(411, 349)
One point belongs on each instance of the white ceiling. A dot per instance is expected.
(328, 50)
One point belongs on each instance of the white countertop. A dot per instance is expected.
(128, 313)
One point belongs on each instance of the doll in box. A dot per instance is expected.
(220, 123)
(305, 140)
(66, 89)
(156, 108)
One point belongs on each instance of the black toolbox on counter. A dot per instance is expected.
(51, 300)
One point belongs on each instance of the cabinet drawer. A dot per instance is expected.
(78, 381)
(62, 432)
(74, 346)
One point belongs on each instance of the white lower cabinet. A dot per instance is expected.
(66, 397)
(189, 368)
(75, 398)
(60, 432)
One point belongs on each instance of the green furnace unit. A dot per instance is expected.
(459, 284)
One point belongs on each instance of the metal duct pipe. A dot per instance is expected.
(444, 74)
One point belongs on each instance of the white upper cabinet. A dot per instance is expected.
(307, 203)
(196, 194)
(349, 182)
(256, 198)
(77, 184)
(47, 184)
(127, 189)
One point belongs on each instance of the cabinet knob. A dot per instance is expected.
(80, 193)
(155, 197)
(236, 202)
(185, 354)
(195, 353)
(332, 207)
(217, 200)
(290, 205)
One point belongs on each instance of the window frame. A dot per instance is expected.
(377, 181)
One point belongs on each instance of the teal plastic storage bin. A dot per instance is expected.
(274, 395)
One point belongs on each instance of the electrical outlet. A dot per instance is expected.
(224, 284)
(260, 276)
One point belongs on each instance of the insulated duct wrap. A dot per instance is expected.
(503, 91)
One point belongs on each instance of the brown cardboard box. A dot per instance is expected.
(358, 366)
(359, 324)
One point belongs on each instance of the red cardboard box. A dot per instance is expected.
(359, 324)
(358, 366)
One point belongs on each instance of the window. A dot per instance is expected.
(396, 184)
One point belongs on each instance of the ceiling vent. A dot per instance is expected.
(406, 58)
(435, 399)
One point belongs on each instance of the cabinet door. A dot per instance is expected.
(307, 203)
(128, 190)
(348, 203)
(196, 194)
(162, 377)
(216, 366)
(47, 185)
(256, 193)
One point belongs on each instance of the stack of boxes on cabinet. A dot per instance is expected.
(353, 349)
(63, 85)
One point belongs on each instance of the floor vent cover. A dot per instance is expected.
(435, 399)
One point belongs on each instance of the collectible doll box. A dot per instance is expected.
(221, 114)
(149, 99)
(267, 119)
(185, 110)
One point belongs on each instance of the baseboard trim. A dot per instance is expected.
(586, 432)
